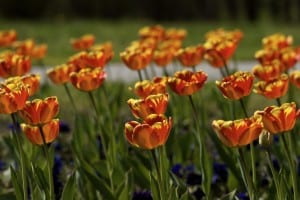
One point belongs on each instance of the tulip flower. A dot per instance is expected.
(163, 57)
(7, 37)
(190, 56)
(88, 79)
(24, 47)
(12, 64)
(50, 132)
(295, 78)
(273, 89)
(40, 111)
(153, 104)
(149, 87)
(39, 51)
(151, 133)
(239, 132)
(83, 43)
(13, 97)
(136, 59)
(277, 41)
(268, 72)
(31, 81)
(186, 82)
(61, 74)
(237, 85)
(277, 119)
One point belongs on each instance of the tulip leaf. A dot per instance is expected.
(154, 187)
(69, 188)
(123, 188)
(8, 196)
(16, 184)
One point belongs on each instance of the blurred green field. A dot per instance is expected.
(57, 33)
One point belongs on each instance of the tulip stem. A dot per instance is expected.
(50, 176)
(291, 164)
(140, 75)
(70, 97)
(274, 174)
(21, 154)
(159, 174)
(246, 175)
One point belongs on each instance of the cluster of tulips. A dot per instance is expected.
(108, 167)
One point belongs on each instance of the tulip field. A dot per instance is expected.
(77, 135)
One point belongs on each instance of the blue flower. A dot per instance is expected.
(142, 195)
(220, 172)
(64, 127)
(3, 165)
(177, 170)
(242, 196)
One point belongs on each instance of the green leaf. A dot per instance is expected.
(98, 183)
(70, 187)
(16, 183)
(154, 187)
(7, 196)
(123, 189)
(40, 178)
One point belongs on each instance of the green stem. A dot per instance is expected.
(50, 176)
(291, 164)
(278, 101)
(251, 147)
(102, 139)
(274, 174)
(70, 97)
(247, 179)
(140, 75)
(159, 175)
(165, 72)
(21, 154)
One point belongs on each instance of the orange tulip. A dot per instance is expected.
(153, 104)
(78, 60)
(277, 41)
(136, 59)
(50, 131)
(190, 56)
(146, 87)
(95, 59)
(88, 79)
(277, 119)
(39, 51)
(156, 31)
(266, 56)
(83, 43)
(151, 133)
(61, 73)
(24, 47)
(175, 34)
(14, 65)
(273, 89)
(295, 78)
(269, 71)
(170, 45)
(163, 57)
(40, 111)
(7, 37)
(31, 81)
(13, 97)
(107, 49)
(186, 82)
(239, 132)
(237, 85)
(289, 57)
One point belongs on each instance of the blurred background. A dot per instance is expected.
(158, 10)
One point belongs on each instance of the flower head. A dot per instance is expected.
(186, 82)
(268, 72)
(137, 58)
(7, 37)
(40, 111)
(61, 74)
(31, 81)
(239, 132)
(88, 79)
(153, 104)
(273, 89)
(237, 85)
(12, 64)
(151, 133)
(163, 57)
(83, 43)
(13, 97)
(50, 131)
(277, 119)
(190, 56)
(295, 78)
(39, 51)
(149, 87)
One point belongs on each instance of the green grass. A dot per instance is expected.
(57, 33)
